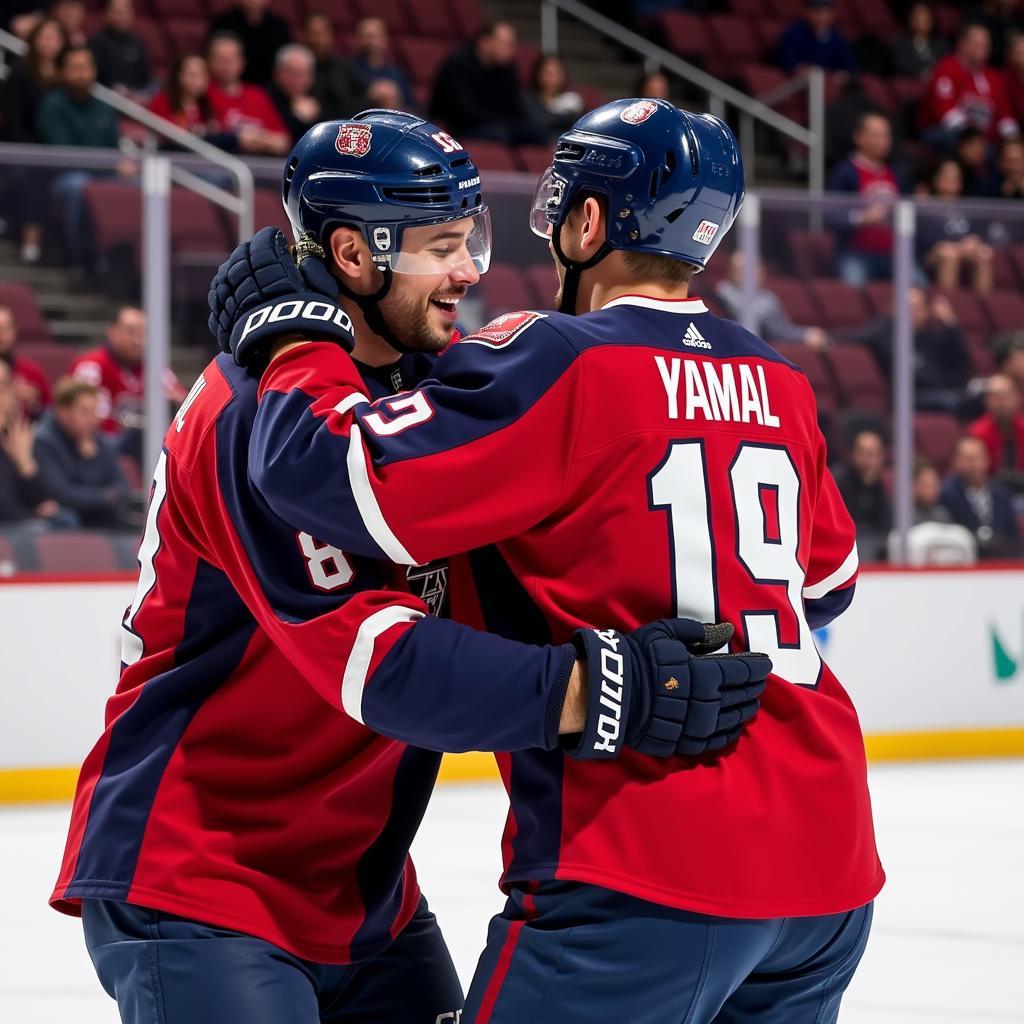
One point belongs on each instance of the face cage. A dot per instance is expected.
(444, 246)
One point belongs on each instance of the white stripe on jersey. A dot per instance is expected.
(836, 579)
(353, 682)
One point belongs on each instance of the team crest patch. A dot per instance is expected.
(706, 231)
(504, 329)
(354, 139)
(637, 113)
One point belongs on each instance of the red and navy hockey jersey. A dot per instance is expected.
(241, 779)
(640, 461)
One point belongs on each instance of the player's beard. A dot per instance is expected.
(409, 318)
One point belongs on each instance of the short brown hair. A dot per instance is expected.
(648, 266)
(69, 389)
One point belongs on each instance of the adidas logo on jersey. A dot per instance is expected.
(694, 339)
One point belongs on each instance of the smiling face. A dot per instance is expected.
(423, 302)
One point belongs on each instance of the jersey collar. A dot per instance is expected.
(689, 306)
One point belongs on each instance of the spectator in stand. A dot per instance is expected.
(1013, 75)
(654, 85)
(771, 321)
(28, 381)
(70, 116)
(915, 52)
(1008, 349)
(814, 41)
(947, 243)
(860, 483)
(371, 61)
(115, 369)
(21, 16)
(1001, 429)
(260, 32)
(928, 507)
(1011, 169)
(29, 81)
(79, 466)
(1002, 18)
(122, 61)
(964, 91)
(864, 235)
(981, 504)
(340, 91)
(477, 90)
(291, 89)
(550, 103)
(243, 111)
(942, 364)
(972, 154)
(71, 15)
(23, 494)
(184, 102)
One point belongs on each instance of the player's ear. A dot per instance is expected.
(592, 234)
(350, 256)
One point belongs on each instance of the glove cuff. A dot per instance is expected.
(306, 313)
(609, 693)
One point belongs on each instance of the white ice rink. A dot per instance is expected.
(947, 945)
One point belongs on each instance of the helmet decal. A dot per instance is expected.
(354, 139)
(382, 238)
(637, 113)
(705, 233)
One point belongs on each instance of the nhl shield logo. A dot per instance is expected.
(637, 113)
(354, 139)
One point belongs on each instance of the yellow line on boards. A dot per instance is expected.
(49, 785)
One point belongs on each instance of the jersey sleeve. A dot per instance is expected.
(426, 473)
(833, 562)
(370, 651)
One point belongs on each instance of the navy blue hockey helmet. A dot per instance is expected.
(673, 181)
(384, 171)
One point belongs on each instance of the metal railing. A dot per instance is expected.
(158, 172)
(720, 94)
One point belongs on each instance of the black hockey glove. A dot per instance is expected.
(259, 294)
(660, 691)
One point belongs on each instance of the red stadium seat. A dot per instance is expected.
(73, 552)
(544, 283)
(947, 19)
(856, 378)
(769, 30)
(593, 96)
(152, 34)
(466, 17)
(267, 209)
(167, 9)
(685, 34)
(52, 356)
(877, 90)
(879, 296)
(197, 225)
(492, 156)
(422, 58)
(752, 9)
(796, 299)
(814, 252)
(393, 13)
(1006, 309)
(734, 39)
(841, 304)
(532, 159)
(505, 288)
(1005, 269)
(907, 90)
(187, 35)
(935, 437)
(814, 366)
(875, 17)
(27, 317)
(116, 213)
(983, 362)
(434, 21)
(969, 311)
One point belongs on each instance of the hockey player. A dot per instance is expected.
(638, 458)
(239, 842)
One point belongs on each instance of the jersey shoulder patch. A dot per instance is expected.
(503, 330)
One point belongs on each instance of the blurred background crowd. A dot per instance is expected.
(922, 100)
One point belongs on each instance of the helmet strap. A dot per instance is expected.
(573, 270)
(369, 306)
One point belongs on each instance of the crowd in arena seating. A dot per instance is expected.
(923, 99)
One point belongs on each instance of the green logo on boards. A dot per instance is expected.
(1004, 663)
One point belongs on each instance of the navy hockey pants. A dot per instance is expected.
(578, 954)
(163, 969)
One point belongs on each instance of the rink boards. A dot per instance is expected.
(934, 660)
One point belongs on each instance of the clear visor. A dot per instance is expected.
(436, 249)
(547, 202)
